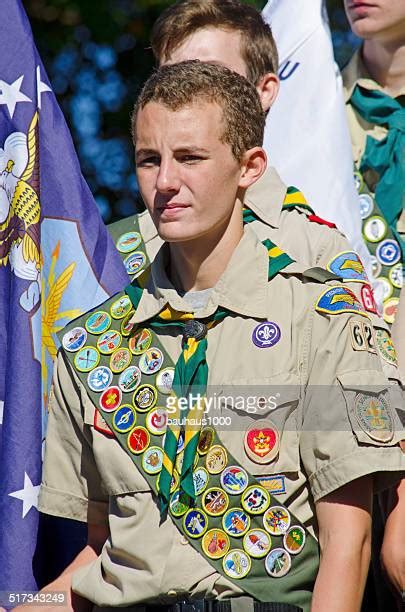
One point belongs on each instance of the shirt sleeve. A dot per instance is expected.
(350, 423)
(71, 485)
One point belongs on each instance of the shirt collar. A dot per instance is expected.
(265, 197)
(243, 287)
(355, 73)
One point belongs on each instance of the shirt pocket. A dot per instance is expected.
(252, 417)
(373, 407)
(119, 474)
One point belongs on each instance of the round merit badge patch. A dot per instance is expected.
(124, 419)
(257, 543)
(195, 523)
(110, 399)
(121, 307)
(236, 522)
(294, 539)
(266, 334)
(128, 242)
(366, 205)
(234, 479)
(276, 520)
(74, 339)
(388, 252)
(215, 543)
(215, 501)
(86, 359)
(236, 564)
(109, 341)
(255, 499)
(278, 562)
(374, 416)
(99, 379)
(216, 459)
(135, 262)
(138, 440)
(375, 229)
(390, 309)
(98, 322)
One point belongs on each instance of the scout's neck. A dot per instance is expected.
(385, 62)
(198, 264)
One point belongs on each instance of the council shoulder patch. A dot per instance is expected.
(338, 299)
(348, 266)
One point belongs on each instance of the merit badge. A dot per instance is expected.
(215, 543)
(255, 500)
(152, 460)
(99, 379)
(387, 288)
(98, 322)
(236, 522)
(195, 523)
(338, 299)
(266, 334)
(375, 266)
(234, 479)
(74, 339)
(129, 379)
(396, 275)
(124, 419)
(278, 563)
(140, 341)
(109, 341)
(375, 229)
(156, 421)
(358, 180)
(179, 503)
(294, 539)
(390, 310)
(276, 520)
(174, 483)
(151, 361)
(215, 501)
(367, 299)
(386, 347)
(110, 399)
(128, 242)
(236, 564)
(347, 265)
(388, 252)
(145, 397)
(216, 459)
(121, 307)
(273, 484)
(179, 462)
(86, 359)
(374, 416)
(180, 444)
(138, 440)
(257, 543)
(205, 440)
(200, 479)
(135, 262)
(366, 205)
(120, 359)
(164, 380)
(262, 442)
(101, 425)
(126, 324)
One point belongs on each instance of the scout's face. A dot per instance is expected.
(224, 47)
(379, 19)
(188, 178)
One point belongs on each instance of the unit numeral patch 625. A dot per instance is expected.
(362, 336)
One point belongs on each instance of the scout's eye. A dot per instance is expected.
(190, 159)
(145, 162)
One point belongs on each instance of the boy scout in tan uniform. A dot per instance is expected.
(241, 320)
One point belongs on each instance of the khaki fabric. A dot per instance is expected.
(308, 242)
(311, 374)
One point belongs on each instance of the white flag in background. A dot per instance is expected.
(307, 137)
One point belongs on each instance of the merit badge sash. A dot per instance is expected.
(385, 250)
(233, 521)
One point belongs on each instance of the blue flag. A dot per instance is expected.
(56, 261)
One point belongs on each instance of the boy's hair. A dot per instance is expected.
(191, 82)
(183, 18)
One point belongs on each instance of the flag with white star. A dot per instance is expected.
(57, 261)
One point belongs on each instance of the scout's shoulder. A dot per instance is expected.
(295, 203)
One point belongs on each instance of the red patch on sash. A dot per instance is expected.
(367, 298)
(316, 219)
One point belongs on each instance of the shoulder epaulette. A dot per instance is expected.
(294, 198)
(278, 259)
(321, 275)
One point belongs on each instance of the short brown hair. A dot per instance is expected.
(183, 18)
(179, 85)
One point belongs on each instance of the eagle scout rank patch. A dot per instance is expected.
(374, 416)
(347, 265)
(337, 300)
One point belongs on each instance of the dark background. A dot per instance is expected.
(97, 56)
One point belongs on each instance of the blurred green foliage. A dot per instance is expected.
(97, 56)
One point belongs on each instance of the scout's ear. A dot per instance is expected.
(267, 88)
(253, 165)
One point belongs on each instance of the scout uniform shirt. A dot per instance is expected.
(384, 249)
(311, 388)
